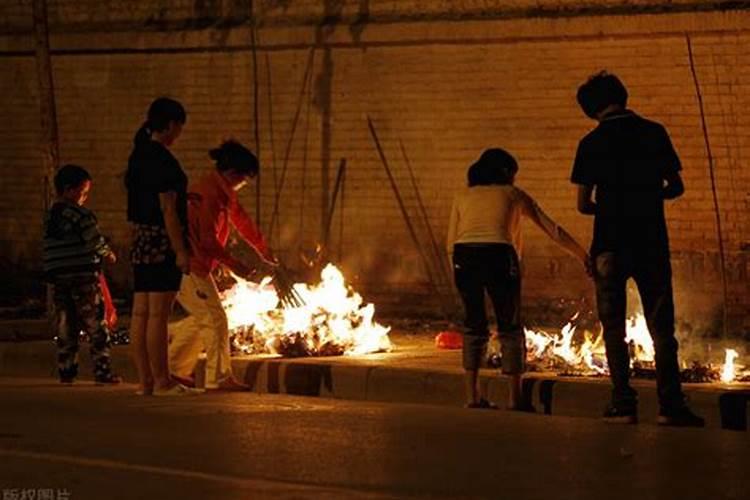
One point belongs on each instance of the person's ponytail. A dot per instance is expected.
(216, 154)
(143, 135)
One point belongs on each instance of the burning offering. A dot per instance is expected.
(582, 353)
(330, 319)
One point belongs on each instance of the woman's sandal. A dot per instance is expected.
(482, 404)
(145, 391)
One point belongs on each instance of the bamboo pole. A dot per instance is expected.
(306, 82)
(407, 219)
(714, 191)
(439, 253)
(47, 108)
(256, 108)
(49, 137)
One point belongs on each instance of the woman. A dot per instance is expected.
(214, 210)
(484, 243)
(157, 210)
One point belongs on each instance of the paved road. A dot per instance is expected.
(106, 443)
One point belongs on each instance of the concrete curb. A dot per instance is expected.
(410, 376)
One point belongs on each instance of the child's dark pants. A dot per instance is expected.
(79, 308)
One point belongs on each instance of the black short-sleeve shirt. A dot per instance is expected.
(627, 158)
(152, 169)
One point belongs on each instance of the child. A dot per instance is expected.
(73, 254)
(214, 210)
(483, 242)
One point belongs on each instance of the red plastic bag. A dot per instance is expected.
(110, 313)
(449, 340)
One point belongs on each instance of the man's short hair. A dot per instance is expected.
(495, 166)
(70, 176)
(600, 91)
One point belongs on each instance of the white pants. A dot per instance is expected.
(205, 328)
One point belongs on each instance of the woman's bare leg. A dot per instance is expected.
(515, 393)
(471, 382)
(138, 343)
(159, 307)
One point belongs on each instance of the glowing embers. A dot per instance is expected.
(332, 321)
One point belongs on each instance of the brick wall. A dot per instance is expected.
(448, 79)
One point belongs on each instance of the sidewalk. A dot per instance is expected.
(415, 372)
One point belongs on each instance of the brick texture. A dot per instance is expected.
(445, 101)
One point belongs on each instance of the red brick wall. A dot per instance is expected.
(466, 76)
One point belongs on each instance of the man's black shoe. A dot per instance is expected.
(681, 417)
(614, 415)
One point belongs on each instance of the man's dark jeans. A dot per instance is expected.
(492, 268)
(652, 274)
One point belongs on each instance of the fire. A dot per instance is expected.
(729, 371)
(332, 321)
(637, 335)
(584, 354)
(560, 351)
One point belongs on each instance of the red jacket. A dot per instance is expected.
(213, 209)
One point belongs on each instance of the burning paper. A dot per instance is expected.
(570, 354)
(332, 321)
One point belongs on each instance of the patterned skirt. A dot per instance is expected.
(154, 261)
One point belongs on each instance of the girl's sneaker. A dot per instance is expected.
(177, 390)
(482, 404)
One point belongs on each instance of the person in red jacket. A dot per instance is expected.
(213, 210)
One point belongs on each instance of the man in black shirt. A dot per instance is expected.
(629, 164)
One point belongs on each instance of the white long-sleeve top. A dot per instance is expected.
(492, 214)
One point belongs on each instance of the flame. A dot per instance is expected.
(333, 319)
(588, 355)
(729, 372)
(637, 335)
(556, 349)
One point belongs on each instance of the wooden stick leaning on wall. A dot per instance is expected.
(410, 226)
(341, 217)
(712, 175)
(256, 107)
(287, 153)
(440, 256)
(271, 135)
(48, 115)
(332, 207)
(317, 257)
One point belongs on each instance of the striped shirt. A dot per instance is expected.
(73, 246)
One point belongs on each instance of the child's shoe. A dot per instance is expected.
(68, 375)
(108, 379)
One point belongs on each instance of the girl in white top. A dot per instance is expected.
(484, 242)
